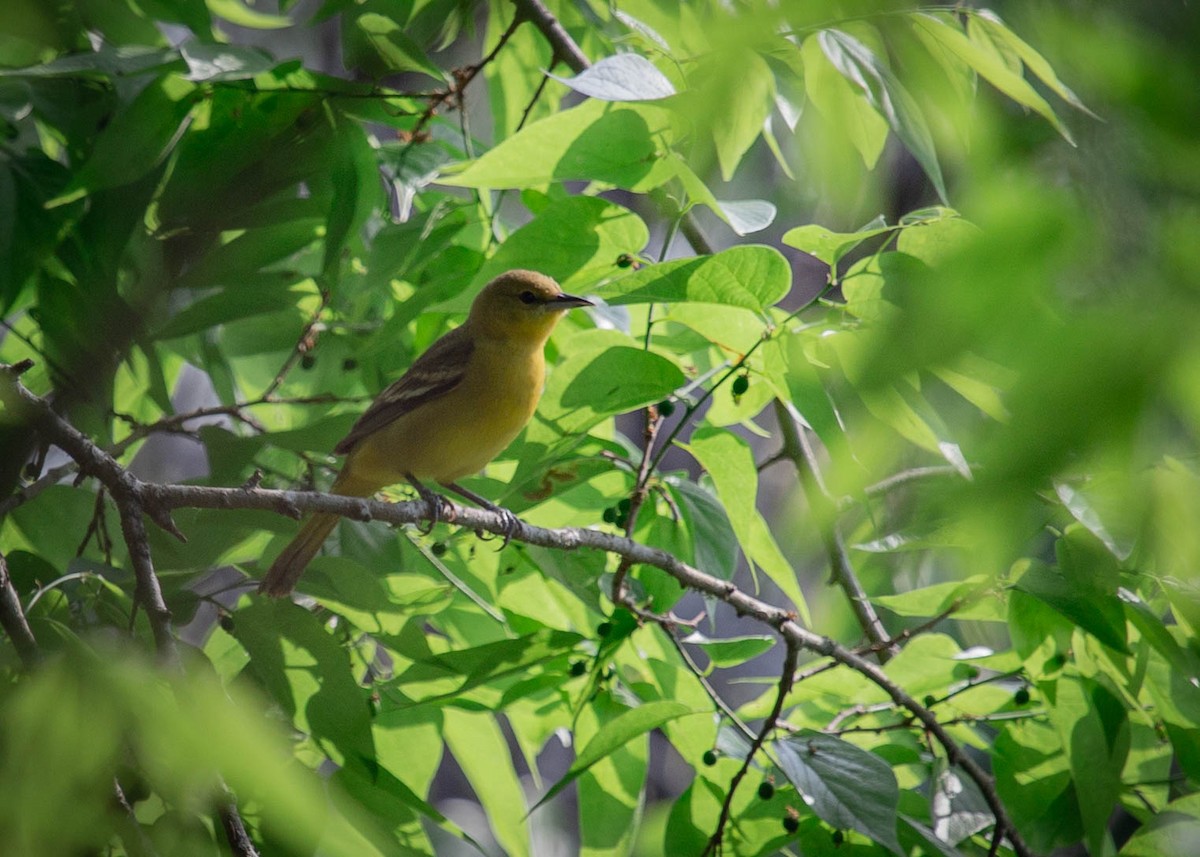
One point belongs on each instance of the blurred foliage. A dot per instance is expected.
(1000, 371)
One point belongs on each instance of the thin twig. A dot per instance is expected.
(796, 447)
(786, 678)
(13, 620)
(720, 703)
(304, 343)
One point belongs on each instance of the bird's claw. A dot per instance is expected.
(511, 524)
(440, 509)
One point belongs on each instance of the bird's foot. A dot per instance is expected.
(511, 524)
(440, 509)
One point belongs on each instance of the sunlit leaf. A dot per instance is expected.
(624, 77)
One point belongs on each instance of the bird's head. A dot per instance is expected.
(521, 303)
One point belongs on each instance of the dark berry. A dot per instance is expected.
(624, 261)
(610, 515)
(438, 549)
(308, 361)
(710, 757)
(623, 505)
(766, 790)
(791, 824)
(665, 408)
(578, 668)
(349, 364)
(604, 629)
(1021, 697)
(838, 837)
(740, 385)
(929, 700)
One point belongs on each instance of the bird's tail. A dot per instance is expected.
(285, 572)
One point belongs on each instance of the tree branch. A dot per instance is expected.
(796, 448)
(159, 499)
(128, 493)
(13, 620)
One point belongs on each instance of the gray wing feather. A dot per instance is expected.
(434, 374)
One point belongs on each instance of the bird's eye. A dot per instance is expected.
(527, 297)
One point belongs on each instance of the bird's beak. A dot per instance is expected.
(565, 301)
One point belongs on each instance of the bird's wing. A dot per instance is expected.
(434, 374)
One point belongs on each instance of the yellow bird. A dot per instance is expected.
(456, 408)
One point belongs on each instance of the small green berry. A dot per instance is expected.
(791, 824)
(604, 629)
(740, 385)
(623, 505)
(625, 261)
(438, 549)
(766, 790)
(709, 758)
(610, 515)
(929, 700)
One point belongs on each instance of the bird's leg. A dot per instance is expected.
(438, 505)
(511, 522)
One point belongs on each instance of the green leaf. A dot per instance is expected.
(730, 462)
(747, 215)
(859, 65)
(591, 385)
(625, 77)
(237, 12)
(136, 140)
(611, 791)
(1094, 728)
(482, 752)
(596, 141)
(714, 544)
(990, 22)
(1101, 616)
(576, 240)
(987, 63)
(846, 786)
(453, 673)
(615, 734)
(356, 195)
(210, 62)
(1174, 832)
(829, 246)
(749, 276)
(734, 132)
(731, 651)
(109, 61)
(842, 104)
(396, 48)
(301, 665)
(256, 295)
(940, 597)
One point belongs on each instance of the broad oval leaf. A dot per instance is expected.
(748, 215)
(625, 77)
(846, 786)
(596, 141)
(751, 276)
